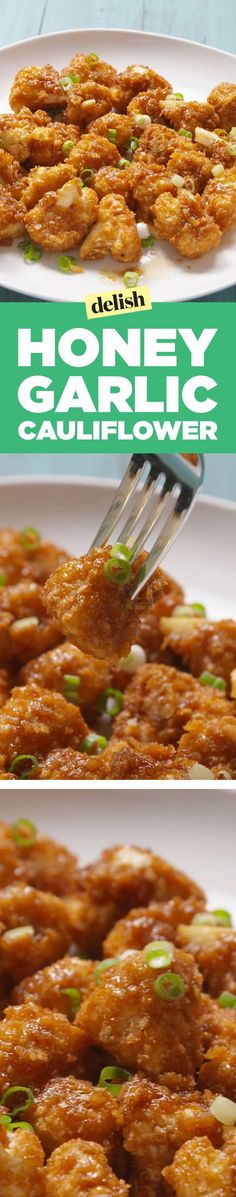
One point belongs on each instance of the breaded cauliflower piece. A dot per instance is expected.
(185, 223)
(144, 177)
(91, 153)
(24, 627)
(43, 930)
(109, 181)
(39, 861)
(223, 98)
(42, 179)
(126, 1017)
(214, 949)
(35, 1045)
(158, 143)
(118, 761)
(218, 1071)
(220, 200)
(48, 986)
(212, 743)
(129, 876)
(47, 145)
(5, 686)
(37, 87)
(74, 1109)
(62, 219)
(147, 103)
(113, 122)
(192, 165)
(202, 645)
(36, 562)
(11, 216)
(199, 1168)
(90, 66)
(50, 670)
(159, 701)
(115, 232)
(21, 1163)
(92, 610)
(155, 921)
(136, 79)
(87, 102)
(150, 636)
(11, 173)
(16, 131)
(156, 1123)
(188, 114)
(34, 720)
(77, 1168)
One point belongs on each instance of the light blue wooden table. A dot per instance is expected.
(207, 21)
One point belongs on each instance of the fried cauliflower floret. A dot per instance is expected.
(184, 222)
(91, 153)
(87, 102)
(51, 668)
(109, 181)
(45, 178)
(39, 861)
(90, 921)
(74, 1109)
(126, 1017)
(24, 627)
(36, 87)
(43, 930)
(90, 66)
(115, 232)
(11, 174)
(214, 949)
(78, 1168)
(158, 143)
(218, 1072)
(129, 876)
(192, 165)
(118, 761)
(150, 636)
(8, 856)
(35, 1045)
(146, 923)
(16, 131)
(156, 1123)
(62, 219)
(47, 145)
(144, 178)
(92, 610)
(200, 1168)
(202, 645)
(136, 79)
(223, 98)
(110, 122)
(183, 114)
(21, 1163)
(5, 686)
(159, 701)
(212, 743)
(147, 103)
(11, 216)
(220, 200)
(48, 986)
(36, 562)
(34, 720)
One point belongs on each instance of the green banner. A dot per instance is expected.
(138, 380)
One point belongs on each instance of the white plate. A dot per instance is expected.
(192, 69)
(69, 511)
(193, 829)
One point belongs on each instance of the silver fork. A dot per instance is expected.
(160, 491)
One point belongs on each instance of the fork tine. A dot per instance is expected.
(137, 510)
(132, 475)
(160, 494)
(172, 517)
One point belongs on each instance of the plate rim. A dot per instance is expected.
(14, 480)
(199, 292)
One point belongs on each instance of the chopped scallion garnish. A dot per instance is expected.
(185, 133)
(132, 144)
(67, 146)
(3, 579)
(159, 954)
(93, 740)
(23, 832)
(111, 701)
(169, 987)
(91, 58)
(74, 996)
(227, 1000)
(86, 174)
(117, 570)
(131, 278)
(148, 242)
(10, 1092)
(112, 135)
(199, 608)
(30, 539)
(68, 81)
(103, 966)
(122, 164)
(210, 679)
(21, 760)
(66, 262)
(71, 688)
(112, 1078)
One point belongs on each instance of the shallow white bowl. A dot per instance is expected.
(69, 511)
(192, 69)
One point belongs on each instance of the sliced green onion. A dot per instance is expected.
(185, 133)
(92, 738)
(74, 996)
(66, 262)
(21, 1126)
(227, 999)
(121, 551)
(210, 679)
(9, 1093)
(103, 966)
(135, 659)
(199, 608)
(169, 987)
(23, 756)
(223, 916)
(32, 253)
(112, 1078)
(111, 701)
(159, 954)
(112, 135)
(142, 120)
(233, 131)
(24, 833)
(67, 146)
(231, 151)
(207, 917)
(71, 688)
(3, 579)
(131, 278)
(148, 242)
(122, 164)
(224, 1110)
(117, 570)
(178, 95)
(5, 1120)
(90, 58)
(133, 144)
(30, 538)
(86, 174)
(68, 81)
